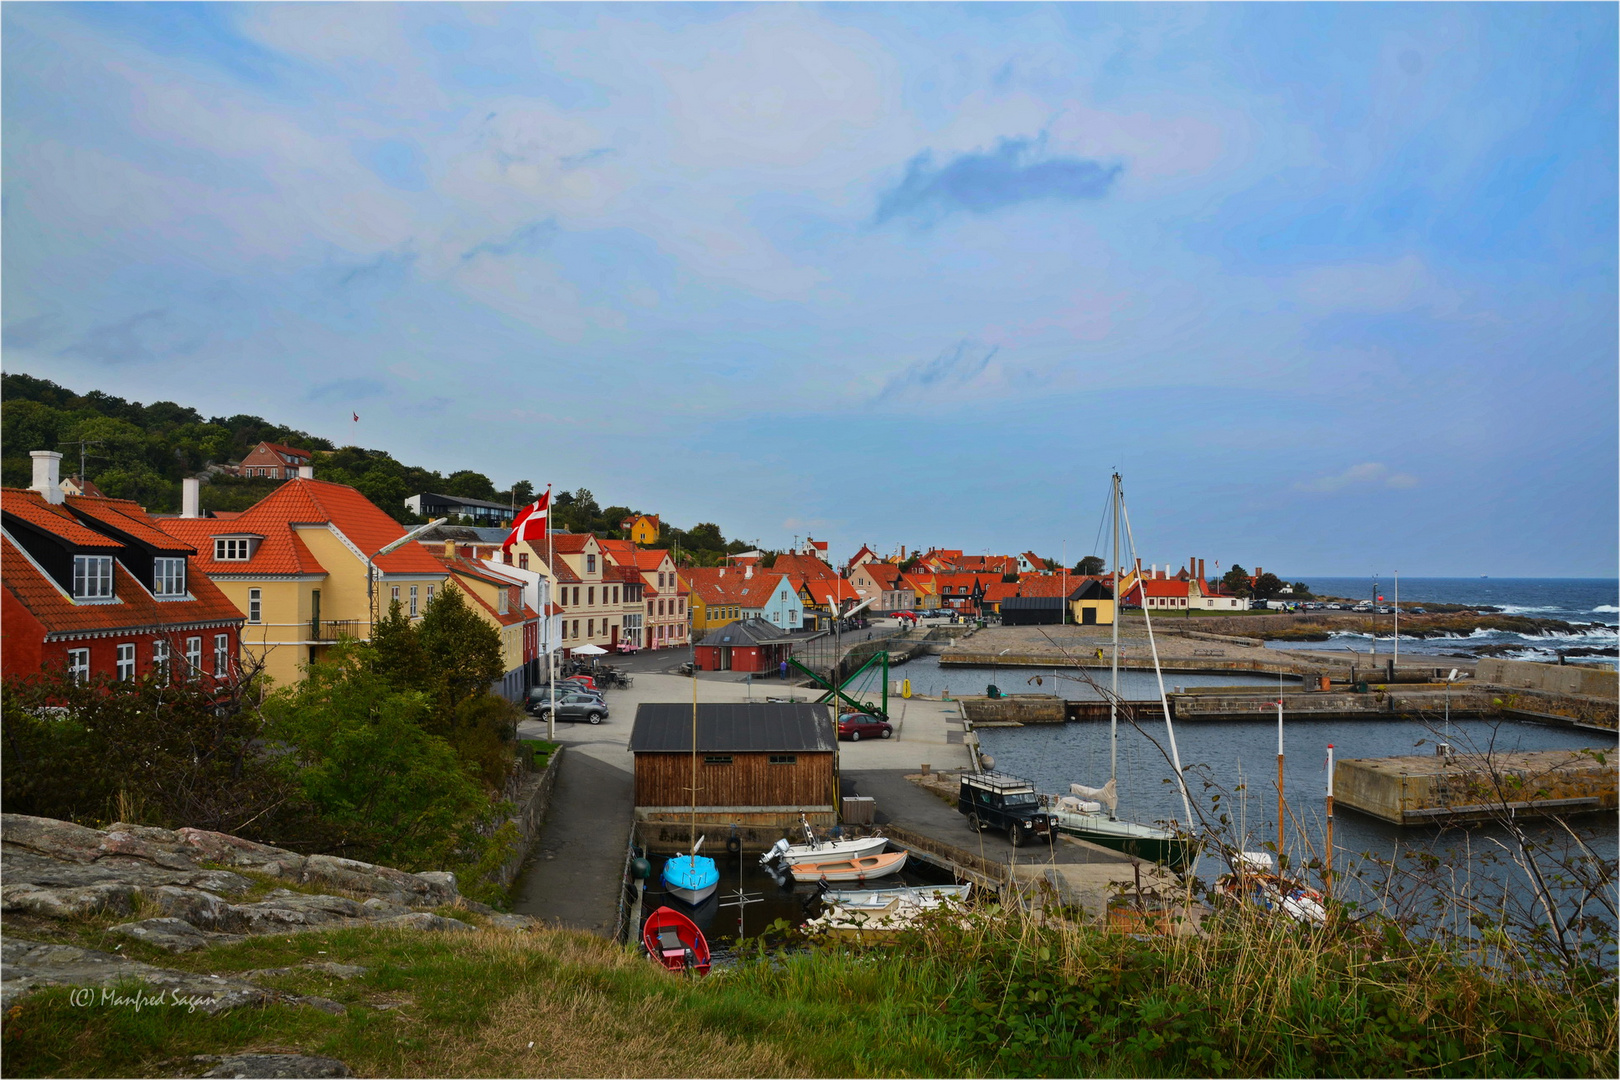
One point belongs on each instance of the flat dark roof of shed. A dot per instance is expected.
(733, 727)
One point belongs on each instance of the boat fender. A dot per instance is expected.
(734, 844)
(640, 869)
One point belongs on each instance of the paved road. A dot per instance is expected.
(574, 878)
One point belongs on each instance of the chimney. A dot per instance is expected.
(1200, 569)
(722, 571)
(449, 549)
(190, 497)
(306, 472)
(748, 571)
(48, 475)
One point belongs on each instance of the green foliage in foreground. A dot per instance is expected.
(997, 997)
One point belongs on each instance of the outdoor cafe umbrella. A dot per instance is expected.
(590, 650)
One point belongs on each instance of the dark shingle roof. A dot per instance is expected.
(746, 633)
(733, 727)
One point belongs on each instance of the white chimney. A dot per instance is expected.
(190, 497)
(48, 475)
(722, 571)
(306, 472)
(748, 571)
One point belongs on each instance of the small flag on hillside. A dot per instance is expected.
(531, 521)
(357, 418)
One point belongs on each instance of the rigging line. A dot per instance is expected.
(1102, 520)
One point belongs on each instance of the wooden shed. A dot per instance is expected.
(756, 764)
(745, 645)
(1092, 604)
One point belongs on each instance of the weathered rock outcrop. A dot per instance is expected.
(59, 870)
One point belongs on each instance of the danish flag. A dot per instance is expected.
(531, 521)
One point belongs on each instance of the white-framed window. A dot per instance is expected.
(160, 658)
(222, 655)
(396, 594)
(92, 577)
(501, 602)
(168, 577)
(430, 594)
(413, 601)
(193, 657)
(255, 605)
(126, 662)
(78, 665)
(590, 564)
(523, 561)
(231, 548)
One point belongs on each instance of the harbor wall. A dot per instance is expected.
(1553, 678)
(1014, 708)
(1424, 790)
(531, 799)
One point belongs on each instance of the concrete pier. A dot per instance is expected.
(1425, 790)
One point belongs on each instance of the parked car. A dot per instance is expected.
(575, 707)
(853, 726)
(1006, 804)
(1417, 611)
(541, 695)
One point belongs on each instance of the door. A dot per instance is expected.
(1088, 616)
(725, 659)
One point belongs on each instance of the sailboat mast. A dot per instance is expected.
(1113, 683)
(693, 837)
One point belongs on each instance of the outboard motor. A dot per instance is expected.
(776, 851)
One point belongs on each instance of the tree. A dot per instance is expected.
(1236, 581)
(1267, 585)
(1090, 565)
(523, 493)
(1301, 589)
(463, 651)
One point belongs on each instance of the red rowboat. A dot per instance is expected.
(675, 941)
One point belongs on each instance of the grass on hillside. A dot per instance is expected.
(1000, 996)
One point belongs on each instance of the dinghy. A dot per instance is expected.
(925, 895)
(861, 870)
(675, 941)
(692, 878)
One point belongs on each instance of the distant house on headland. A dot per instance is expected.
(272, 460)
(641, 529)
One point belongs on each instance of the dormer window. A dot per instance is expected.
(168, 577)
(92, 577)
(232, 549)
(590, 564)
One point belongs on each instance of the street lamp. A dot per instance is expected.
(371, 569)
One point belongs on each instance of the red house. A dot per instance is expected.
(745, 645)
(94, 586)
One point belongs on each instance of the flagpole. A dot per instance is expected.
(551, 654)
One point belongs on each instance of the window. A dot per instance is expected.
(193, 657)
(576, 596)
(78, 666)
(783, 597)
(784, 759)
(413, 601)
(126, 663)
(717, 759)
(615, 594)
(92, 577)
(500, 602)
(590, 596)
(660, 607)
(576, 628)
(565, 628)
(168, 577)
(255, 605)
(230, 549)
(590, 627)
(222, 655)
(396, 594)
(649, 609)
(523, 561)
(590, 564)
(681, 604)
(160, 659)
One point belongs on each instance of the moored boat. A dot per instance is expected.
(675, 941)
(1149, 842)
(824, 851)
(862, 869)
(691, 878)
(926, 895)
(1253, 881)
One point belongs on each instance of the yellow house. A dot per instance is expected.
(296, 564)
(715, 596)
(1092, 604)
(642, 529)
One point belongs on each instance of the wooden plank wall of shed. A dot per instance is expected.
(750, 780)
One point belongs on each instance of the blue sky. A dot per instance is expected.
(1333, 286)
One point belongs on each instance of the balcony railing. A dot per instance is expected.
(332, 629)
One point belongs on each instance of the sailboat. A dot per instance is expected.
(692, 877)
(1081, 813)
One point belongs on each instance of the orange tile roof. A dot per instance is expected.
(30, 506)
(565, 543)
(127, 517)
(303, 502)
(803, 566)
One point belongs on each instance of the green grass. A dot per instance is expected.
(1000, 996)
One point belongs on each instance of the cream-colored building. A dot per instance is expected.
(297, 565)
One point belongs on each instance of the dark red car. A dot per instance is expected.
(855, 726)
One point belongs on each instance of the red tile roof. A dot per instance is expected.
(30, 506)
(303, 502)
(129, 518)
(803, 566)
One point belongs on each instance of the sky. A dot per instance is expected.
(1333, 287)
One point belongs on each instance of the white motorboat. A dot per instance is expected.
(921, 895)
(824, 851)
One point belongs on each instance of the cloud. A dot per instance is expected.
(120, 342)
(1368, 473)
(984, 182)
(524, 240)
(388, 269)
(345, 390)
(29, 333)
(955, 366)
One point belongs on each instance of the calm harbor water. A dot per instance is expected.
(1073, 684)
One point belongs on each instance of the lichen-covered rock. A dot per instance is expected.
(196, 906)
(66, 903)
(423, 920)
(273, 1066)
(514, 922)
(413, 890)
(175, 935)
(31, 965)
(214, 847)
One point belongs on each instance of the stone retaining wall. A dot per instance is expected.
(533, 797)
(1555, 678)
(1015, 708)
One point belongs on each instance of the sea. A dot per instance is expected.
(1590, 605)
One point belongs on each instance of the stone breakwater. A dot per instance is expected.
(186, 885)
